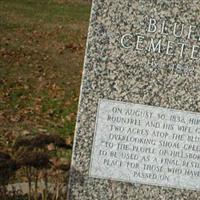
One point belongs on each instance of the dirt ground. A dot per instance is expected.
(42, 46)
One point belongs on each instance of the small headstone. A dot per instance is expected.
(138, 126)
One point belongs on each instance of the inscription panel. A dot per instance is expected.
(145, 144)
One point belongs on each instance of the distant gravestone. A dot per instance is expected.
(138, 125)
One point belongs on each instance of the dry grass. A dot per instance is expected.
(41, 58)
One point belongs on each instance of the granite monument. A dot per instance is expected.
(138, 125)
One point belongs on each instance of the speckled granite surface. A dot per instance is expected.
(168, 77)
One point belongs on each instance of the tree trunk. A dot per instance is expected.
(46, 184)
(28, 174)
(36, 186)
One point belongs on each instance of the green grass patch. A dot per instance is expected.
(60, 113)
(35, 54)
(15, 13)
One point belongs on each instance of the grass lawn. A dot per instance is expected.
(42, 44)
